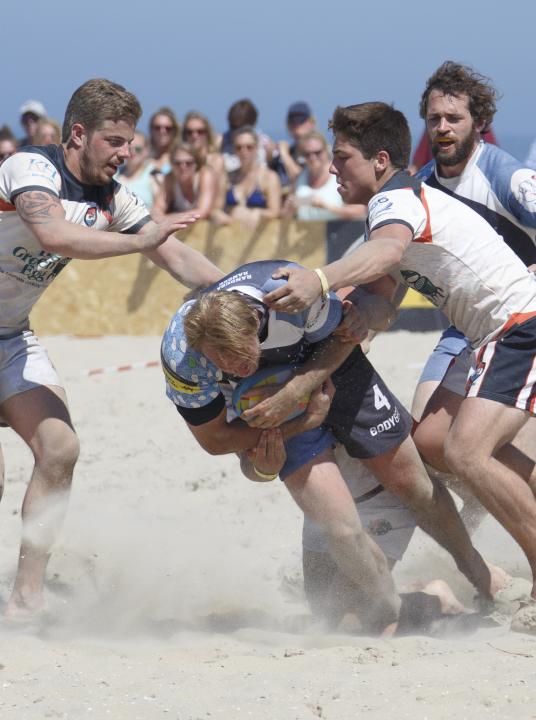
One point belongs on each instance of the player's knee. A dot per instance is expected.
(58, 457)
(343, 532)
(462, 456)
(429, 445)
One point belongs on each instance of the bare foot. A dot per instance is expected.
(24, 605)
(499, 578)
(450, 605)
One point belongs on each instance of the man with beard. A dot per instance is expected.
(57, 203)
(458, 106)
(420, 236)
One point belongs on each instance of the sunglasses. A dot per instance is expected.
(196, 131)
(188, 163)
(313, 153)
(245, 146)
(166, 128)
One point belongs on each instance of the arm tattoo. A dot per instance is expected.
(38, 208)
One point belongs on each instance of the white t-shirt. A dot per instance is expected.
(455, 259)
(305, 195)
(26, 270)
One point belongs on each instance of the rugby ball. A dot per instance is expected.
(244, 396)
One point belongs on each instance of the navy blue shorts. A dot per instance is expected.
(365, 417)
(505, 369)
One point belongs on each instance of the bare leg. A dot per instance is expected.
(320, 491)
(42, 420)
(401, 471)
(438, 416)
(481, 427)
(423, 393)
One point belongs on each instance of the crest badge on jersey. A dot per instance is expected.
(90, 218)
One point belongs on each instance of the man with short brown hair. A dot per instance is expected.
(57, 203)
(422, 237)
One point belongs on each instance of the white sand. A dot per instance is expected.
(174, 576)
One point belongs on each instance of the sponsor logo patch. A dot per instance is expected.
(90, 218)
(180, 385)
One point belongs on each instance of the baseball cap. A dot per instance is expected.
(33, 106)
(298, 113)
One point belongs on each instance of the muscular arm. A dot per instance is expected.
(370, 261)
(218, 437)
(328, 355)
(43, 214)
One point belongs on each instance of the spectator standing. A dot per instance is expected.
(253, 191)
(199, 133)
(30, 112)
(243, 113)
(138, 172)
(48, 132)
(286, 160)
(315, 195)
(191, 185)
(164, 130)
(8, 143)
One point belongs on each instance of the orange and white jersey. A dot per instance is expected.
(455, 259)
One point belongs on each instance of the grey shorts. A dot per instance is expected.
(383, 515)
(365, 416)
(459, 371)
(451, 343)
(24, 365)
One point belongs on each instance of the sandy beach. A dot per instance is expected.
(172, 590)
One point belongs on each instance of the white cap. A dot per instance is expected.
(33, 106)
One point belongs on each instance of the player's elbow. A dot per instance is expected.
(394, 254)
(49, 241)
(214, 447)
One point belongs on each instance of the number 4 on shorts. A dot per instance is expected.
(379, 399)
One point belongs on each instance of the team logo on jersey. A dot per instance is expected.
(90, 218)
(527, 191)
(42, 168)
(423, 285)
(380, 205)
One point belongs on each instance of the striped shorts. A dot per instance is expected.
(505, 369)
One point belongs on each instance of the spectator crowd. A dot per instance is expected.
(240, 174)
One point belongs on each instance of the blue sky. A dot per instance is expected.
(190, 54)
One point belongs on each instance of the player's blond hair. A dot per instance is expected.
(222, 320)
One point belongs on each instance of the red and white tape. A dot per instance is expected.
(121, 368)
